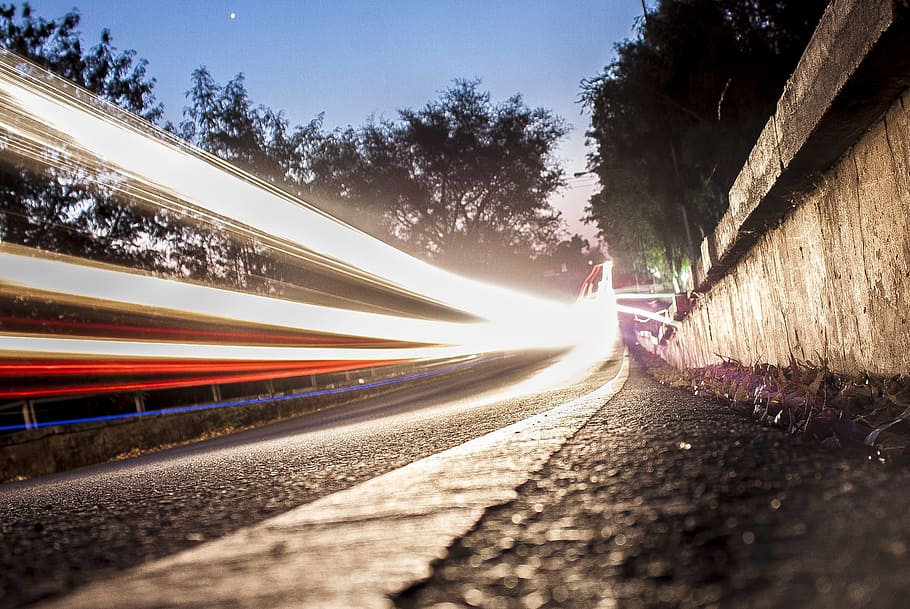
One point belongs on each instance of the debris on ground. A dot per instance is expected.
(838, 411)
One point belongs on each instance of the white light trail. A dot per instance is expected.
(40, 112)
(26, 346)
(648, 314)
(192, 178)
(25, 271)
(117, 289)
(644, 296)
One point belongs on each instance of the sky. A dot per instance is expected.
(350, 59)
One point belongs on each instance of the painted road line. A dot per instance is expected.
(357, 547)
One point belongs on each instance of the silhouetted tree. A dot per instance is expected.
(463, 180)
(222, 120)
(64, 209)
(675, 115)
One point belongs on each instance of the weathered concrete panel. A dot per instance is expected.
(855, 65)
(832, 281)
(844, 37)
(812, 260)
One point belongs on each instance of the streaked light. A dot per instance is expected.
(147, 155)
(51, 122)
(648, 314)
(42, 346)
(645, 296)
(27, 271)
(244, 402)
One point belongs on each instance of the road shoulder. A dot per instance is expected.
(665, 499)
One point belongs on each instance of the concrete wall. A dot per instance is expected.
(813, 256)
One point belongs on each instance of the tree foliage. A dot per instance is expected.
(224, 121)
(463, 180)
(60, 208)
(117, 76)
(675, 115)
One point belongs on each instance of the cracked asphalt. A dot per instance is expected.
(665, 499)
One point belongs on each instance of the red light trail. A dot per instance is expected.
(200, 373)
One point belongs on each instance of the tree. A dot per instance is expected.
(222, 120)
(463, 180)
(675, 115)
(64, 208)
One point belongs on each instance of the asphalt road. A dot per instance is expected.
(666, 500)
(661, 499)
(62, 531)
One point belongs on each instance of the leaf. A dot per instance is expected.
(897, 395)
(872, 437)
(781, 378)
(817, 383)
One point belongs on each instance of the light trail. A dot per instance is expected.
(656, 316)
(57, 326)
(32, 271)
(237, 376)
(44, 346)
(46, 111)
(244, 402)
(68, 368)
(53, 124)
(645, 296)
(26, 271)
(646, 313)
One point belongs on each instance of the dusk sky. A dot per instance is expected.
(351, 59)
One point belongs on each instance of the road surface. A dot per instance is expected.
(626, 494)
(62, 531)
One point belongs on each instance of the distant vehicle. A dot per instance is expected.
(598, 283)
(596, 304)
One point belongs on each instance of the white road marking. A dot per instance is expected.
(358, 547)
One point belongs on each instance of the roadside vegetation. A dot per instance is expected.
(673, 119)
(865, 412)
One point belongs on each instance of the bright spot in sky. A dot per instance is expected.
(233, 15)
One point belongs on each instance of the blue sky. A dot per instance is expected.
(351, 59)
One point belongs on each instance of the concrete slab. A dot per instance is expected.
(811, 259)
(854, 67)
